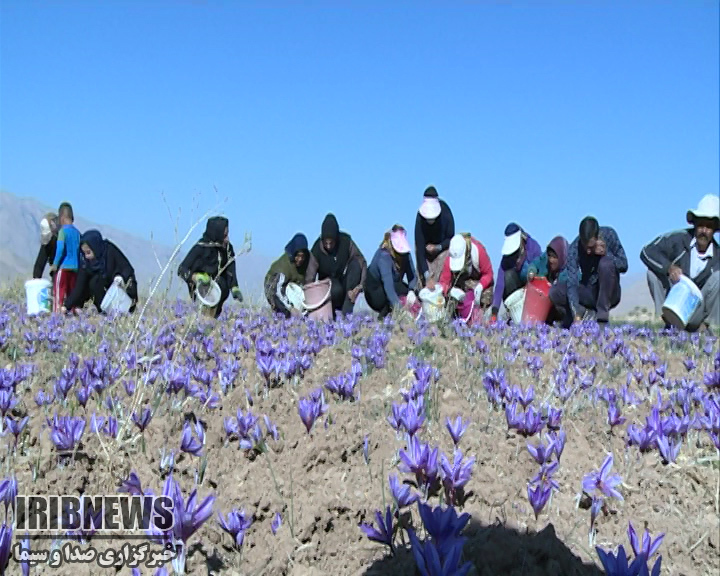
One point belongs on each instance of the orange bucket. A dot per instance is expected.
(537, 301)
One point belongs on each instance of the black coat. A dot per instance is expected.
(211, 256)
(45, 257)
(116, 264)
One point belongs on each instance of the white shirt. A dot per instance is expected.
(699, 261)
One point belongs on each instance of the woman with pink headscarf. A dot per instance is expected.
(385, 288)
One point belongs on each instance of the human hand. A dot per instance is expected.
(431, 284)
(295, 313)
(237, 294)
(477, 292)
(674, 273)
(53, 269)
(430, 248)
(578, 319)
(411, 299)
(457, 294)
(353, 294)
(600, 247)
(531, 276)
(118, 281)
(201, 278)
(63, 310)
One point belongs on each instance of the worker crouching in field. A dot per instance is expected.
(289, 268)
(212, 258)
(102, 264)
(467, 277)
(693, 253)
(385, 288)
(550, 265)
(335, 255)
(434, 228)
(48, 243)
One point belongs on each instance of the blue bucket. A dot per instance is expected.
(682, 302)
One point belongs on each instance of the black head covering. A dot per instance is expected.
(330, 228)
(430, 192)
(299, 242)
(215, 230)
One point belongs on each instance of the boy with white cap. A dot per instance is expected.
(691, 252)
(518, 251)
(385, 288)
(467, 276)
(434, 228)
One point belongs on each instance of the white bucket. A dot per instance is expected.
(212, 297)
(682, 302)
(116, 299)
(433, 303)
(38, 293)
(515, 304)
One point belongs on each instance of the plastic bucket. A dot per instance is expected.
(318, 302)
(682, 302)
(38, 294)
(515, 304)
(208, 296)
(537, 301)
(116, 299)
(433, 304)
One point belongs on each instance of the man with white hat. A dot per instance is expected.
(467, 277)
(691, 252)
(518, 251)
(434, 228)
(48, 244)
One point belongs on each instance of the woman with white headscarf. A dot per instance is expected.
(434, 228)
(48, 243)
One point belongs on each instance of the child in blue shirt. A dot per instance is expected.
(67, 256)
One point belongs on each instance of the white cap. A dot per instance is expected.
(458, 247)
(512, 243)
(708, 207)
(430, 208)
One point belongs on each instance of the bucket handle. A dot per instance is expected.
(313, 307)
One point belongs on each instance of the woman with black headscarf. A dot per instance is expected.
(335, 255)
(212, 258)
(101, 265)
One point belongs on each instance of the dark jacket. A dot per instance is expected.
(583, 268)
(383, 272)
(439, 232)
(115, 264)
(283, 270)
(211, 256)
(45, 257)
(674, 248)
(333, 266)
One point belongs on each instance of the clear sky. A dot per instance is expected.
(537, 112)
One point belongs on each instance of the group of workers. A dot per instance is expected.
(584, 275)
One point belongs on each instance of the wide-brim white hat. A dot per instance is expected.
(512, 243)
(708, 207)
(430, 208)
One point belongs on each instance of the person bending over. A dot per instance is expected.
(288, 268)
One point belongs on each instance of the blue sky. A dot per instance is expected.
(537, 112)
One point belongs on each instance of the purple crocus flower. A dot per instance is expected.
(457, 475)
(418, 459)
(456, 429)
(7, 401)
(5, 546)
(413, 416)
(545, 476)
(402, 493)
(602, 480)
(385, 531)
(66, 432)
(143, 420)
(542, 452)
(8, 493)
(558, 439)
(432, 561)
(618, 564)
(669, 449)
(15, 427)
(236, 524)
(443, 525)
(554, 418)
(538, 497)
(188, 442)
(614, 416)
(131, 485)
(644, 438)
(312, 408)
(595, 508)
(647, 546)
(276, 523)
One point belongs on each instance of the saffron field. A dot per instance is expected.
(366, 447)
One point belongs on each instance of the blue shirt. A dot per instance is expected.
(383, 268)
(67, 253)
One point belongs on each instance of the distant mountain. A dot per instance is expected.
(20, 241)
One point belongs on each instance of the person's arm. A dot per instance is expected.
(355, 254)
(40, 262)
(421, 256)
(385, 265)
(119, 265)
(187, 266)
(537, 266)
(60, 248)
(312, 269)
(445, 276)
(484, 266)
(276, 283)
(230, 271)
(658, 256)
(499, 290)
(448, 228)
(573, 281)
(77, 297)
(411, 274)
(616, 250)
